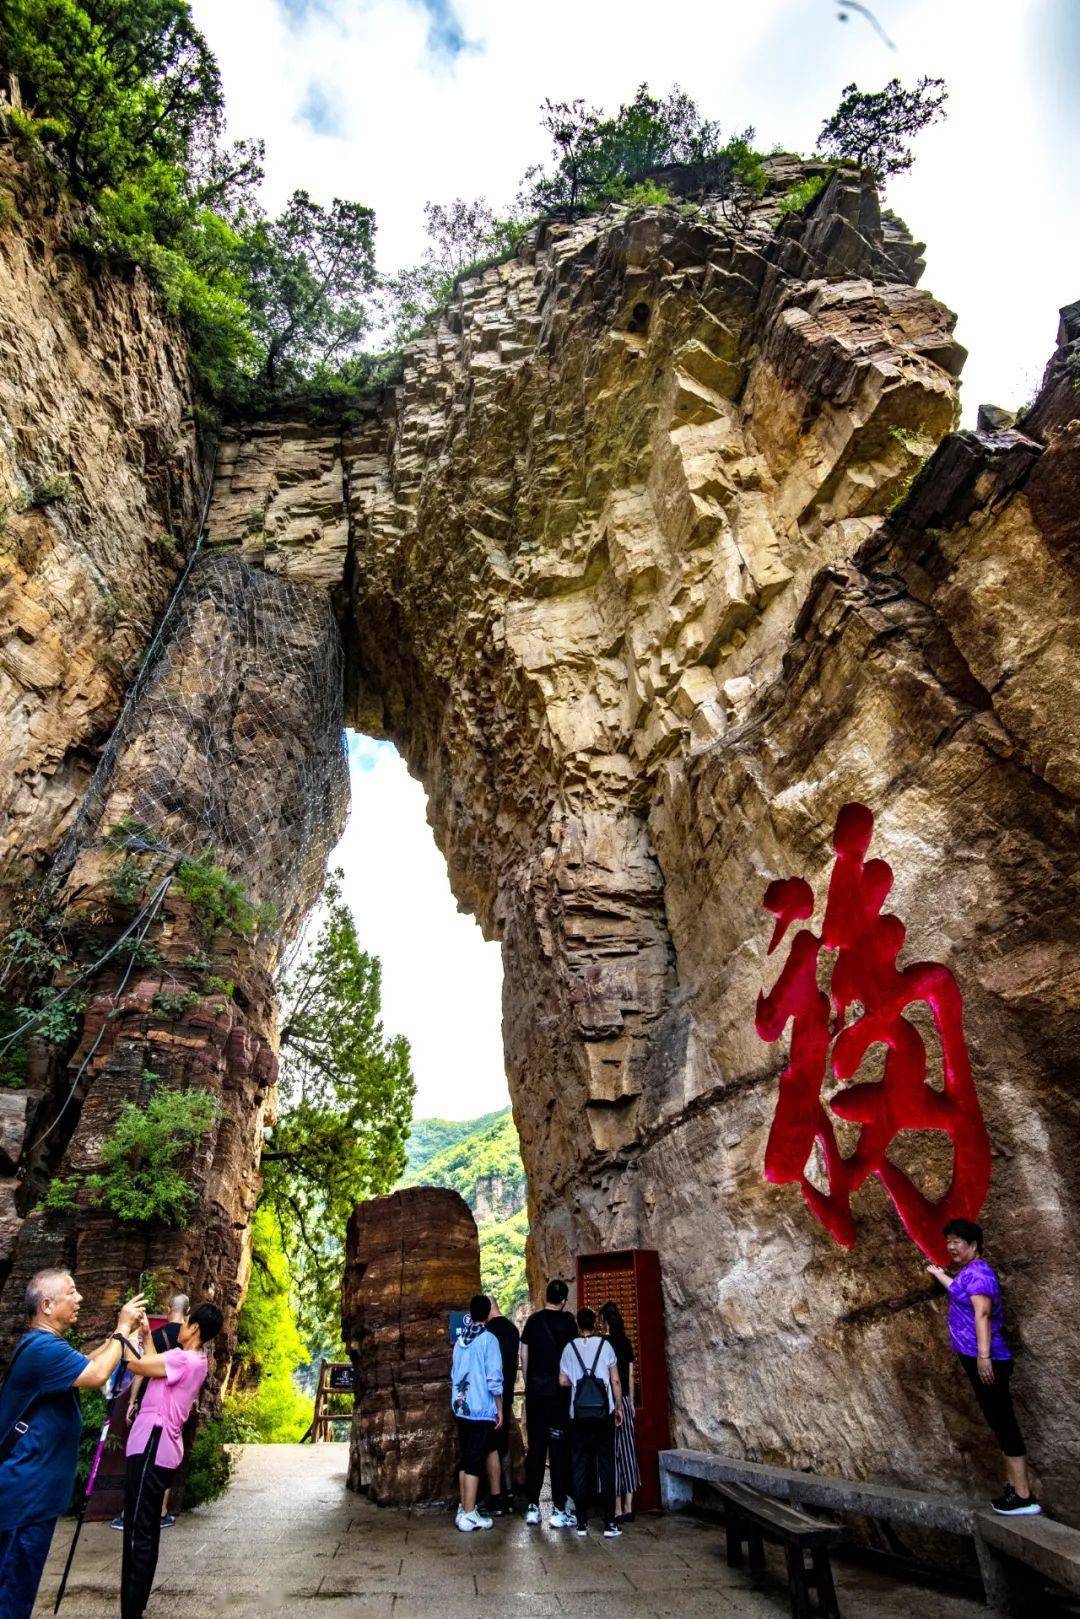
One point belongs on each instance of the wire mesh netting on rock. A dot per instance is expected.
(231, 742)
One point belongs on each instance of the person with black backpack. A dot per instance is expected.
(590, 1370)
(544, 1337)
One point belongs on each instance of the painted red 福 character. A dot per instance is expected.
(866, 974)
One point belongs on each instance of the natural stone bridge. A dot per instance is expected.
(629, 569)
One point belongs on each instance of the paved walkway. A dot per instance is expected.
(290, 1539)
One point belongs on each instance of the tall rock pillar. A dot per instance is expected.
(410, 1259)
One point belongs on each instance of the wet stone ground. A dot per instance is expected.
(289, 1539)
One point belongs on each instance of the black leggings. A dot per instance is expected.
(144, 1488)
(995, 1402)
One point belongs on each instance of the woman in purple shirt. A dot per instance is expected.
(977, 1332)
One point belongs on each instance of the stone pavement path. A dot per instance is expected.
(290, 1539)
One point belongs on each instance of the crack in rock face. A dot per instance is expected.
(650, 563)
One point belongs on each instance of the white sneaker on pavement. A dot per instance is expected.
(563, 1520)
(464, 1521)
(533, 1514)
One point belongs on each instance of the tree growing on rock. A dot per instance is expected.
(874, 128)
(309, 276)
(461, 236)
(346, 1091)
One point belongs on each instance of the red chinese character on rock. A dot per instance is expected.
(865, 971)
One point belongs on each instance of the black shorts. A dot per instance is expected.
(477, 1440)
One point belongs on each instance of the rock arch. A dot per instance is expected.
(642, 599)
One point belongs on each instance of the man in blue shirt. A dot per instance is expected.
(476, 1399)
(40, 1424)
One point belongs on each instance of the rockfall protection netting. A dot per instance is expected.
(231, 741)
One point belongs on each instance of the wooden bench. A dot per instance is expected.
(1012, 1552)
(752, 1517)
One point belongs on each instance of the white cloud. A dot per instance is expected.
(441, 981)
(406, 117)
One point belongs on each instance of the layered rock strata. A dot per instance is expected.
(100, 484)
(629, 597)
(631, 568)
(231, 755)
(410, 1259)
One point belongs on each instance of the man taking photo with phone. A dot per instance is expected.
(40, 1424)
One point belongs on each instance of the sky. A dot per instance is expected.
(393, 103)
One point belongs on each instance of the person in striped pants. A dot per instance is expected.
(627, 1476)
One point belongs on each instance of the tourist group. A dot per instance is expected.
(579, 1383)
(579, 1412)
(579, 1398)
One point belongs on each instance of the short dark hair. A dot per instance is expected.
(208, 1318)
(586, 1318)
(967, 1231)
(479, 1306)
(557, 1292)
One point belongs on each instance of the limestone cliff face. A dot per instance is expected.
(630, 569)
(627, 592)
(100, 480)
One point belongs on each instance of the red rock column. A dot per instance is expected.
(410, 1259)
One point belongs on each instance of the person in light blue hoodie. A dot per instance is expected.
(476, 1399)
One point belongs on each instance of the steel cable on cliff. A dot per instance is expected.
(149, 911)
(65, 855)
(68, 849)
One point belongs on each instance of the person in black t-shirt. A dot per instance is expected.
(500, 1483)
(547, 1411)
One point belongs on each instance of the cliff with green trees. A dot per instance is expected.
(480, 1158)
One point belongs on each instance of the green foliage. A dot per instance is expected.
(147, 1157)
(309, 273)
(346, 1093)
(129, 104)
(53, 489)
(174, 1003)
(874, 128)
(502, 1260)
(429, 1137)
(59, 1196)
(486, 1150)
(481, 1159)
(597, 159)
(211, 1464)
(220, 986)
(56, 1016)
(218, 898)
(14, 1053)
(94, 1407)
(647, 194)
(802, 195)
(269, 1344)
(127, 883)
(462, 238)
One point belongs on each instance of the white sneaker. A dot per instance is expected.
(468, 1521)
(563, 1520)
(532, 1515)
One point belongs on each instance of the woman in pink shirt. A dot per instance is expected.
(155, 1449)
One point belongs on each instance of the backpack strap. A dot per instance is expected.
(577, 1355)
(17, 1428)
(596, 1357)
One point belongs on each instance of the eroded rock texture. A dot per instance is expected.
(410, 1259)
(100, 481)
(630, 568)
(629, 598)
(231, 751)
